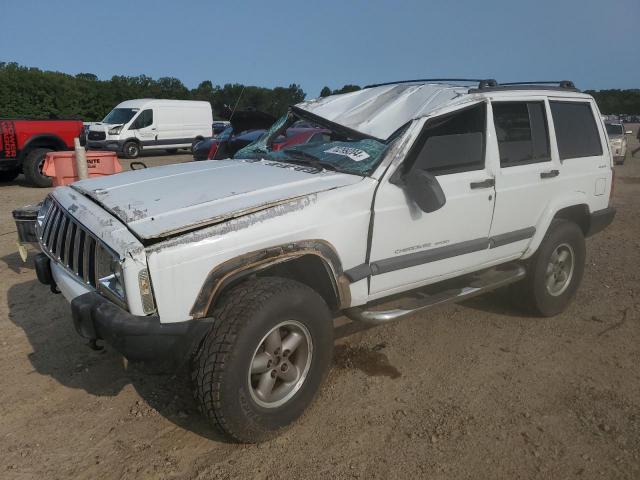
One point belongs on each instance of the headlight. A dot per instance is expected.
(109, 273)
(116, 130)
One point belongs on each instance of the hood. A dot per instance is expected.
(249, 120)
(380, 111)
(157, 202)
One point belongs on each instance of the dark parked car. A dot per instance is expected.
(246, 127)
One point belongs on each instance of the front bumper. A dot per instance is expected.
(106, 145)
(138, 338)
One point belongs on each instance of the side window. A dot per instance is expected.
(452, 143)
(145, 119)
(576, 130)
(521, 128)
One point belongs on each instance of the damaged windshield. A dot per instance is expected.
(320, 145)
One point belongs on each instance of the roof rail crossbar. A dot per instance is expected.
(560, 83)
(479, 81)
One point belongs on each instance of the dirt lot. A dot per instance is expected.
(465, 391)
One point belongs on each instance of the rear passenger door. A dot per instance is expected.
(527, 175)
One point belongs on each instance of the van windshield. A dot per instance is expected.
(120, 115)
(614, 129)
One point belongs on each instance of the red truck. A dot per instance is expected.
(24, 144)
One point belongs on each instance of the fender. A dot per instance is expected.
(239, 267)
(43, 140)
(570, 200)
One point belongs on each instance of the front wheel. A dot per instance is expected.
(555, 271)
(131, 149)
(263, 361)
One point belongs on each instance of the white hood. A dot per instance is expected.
(160, 201)
(380, 111)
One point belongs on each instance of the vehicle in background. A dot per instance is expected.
(150, 124)
(245, 146)
(220, 126)
(293, 136)
(25, 143)
(246, 126)
(617, 141)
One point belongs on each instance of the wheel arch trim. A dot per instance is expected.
(223, 275)
(575, 200)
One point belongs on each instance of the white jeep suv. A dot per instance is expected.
(428, 191)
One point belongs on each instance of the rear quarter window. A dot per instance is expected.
(576, 130)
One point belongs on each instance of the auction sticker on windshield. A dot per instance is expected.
(354, 154)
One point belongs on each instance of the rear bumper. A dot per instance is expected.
(600, 220)
(138, 338)
(9, 164)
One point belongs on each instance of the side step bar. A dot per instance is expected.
(466, 287)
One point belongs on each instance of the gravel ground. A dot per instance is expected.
(475, 390)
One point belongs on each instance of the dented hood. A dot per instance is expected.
(161, 201)
(380, 111)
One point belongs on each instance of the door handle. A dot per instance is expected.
(489, 182)
(550, 174)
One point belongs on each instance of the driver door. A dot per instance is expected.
(411, 248)
(144, 128)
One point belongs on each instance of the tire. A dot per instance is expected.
(227, 393)
(131, 149)
(171, 151)
(9, 175)
(194, 143)
(32, 168)
(549, 293)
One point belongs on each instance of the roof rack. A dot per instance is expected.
(482, 83)
(564, 85)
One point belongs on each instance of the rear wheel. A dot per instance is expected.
(131, 149)
(555, 271)
(9, 175)
(32, 168)
(261, 364)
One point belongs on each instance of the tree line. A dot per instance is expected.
(34, 93)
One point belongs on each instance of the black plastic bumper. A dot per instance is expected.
(138, 338)
(107, 145)
(600, 220)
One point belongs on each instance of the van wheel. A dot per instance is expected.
(32, 168)
(555, 271)
(9, 175)
(131, 149)
(262, 362)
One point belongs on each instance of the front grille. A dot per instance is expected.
(93, 135)
(66, 241)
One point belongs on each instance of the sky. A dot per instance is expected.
(595, 43)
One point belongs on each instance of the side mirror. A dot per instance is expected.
(628, 132)
(424, 189)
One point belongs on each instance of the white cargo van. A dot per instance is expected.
(150, 124)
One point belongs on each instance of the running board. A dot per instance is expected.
(467, 287)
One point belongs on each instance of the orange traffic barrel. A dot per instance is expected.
(61, 166)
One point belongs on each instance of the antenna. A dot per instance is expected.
(237, 102)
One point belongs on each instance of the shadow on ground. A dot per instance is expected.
(59, 352)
